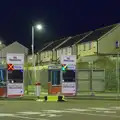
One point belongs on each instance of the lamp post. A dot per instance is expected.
(38, 27)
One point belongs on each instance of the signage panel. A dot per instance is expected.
(69, 88)
(15, 89)
(68, 59)
(13, 58)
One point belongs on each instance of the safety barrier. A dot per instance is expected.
(54, 98)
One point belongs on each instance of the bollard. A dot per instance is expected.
(38, 89)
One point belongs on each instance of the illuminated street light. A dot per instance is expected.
(38, 27)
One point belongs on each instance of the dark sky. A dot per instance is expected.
(59, 17)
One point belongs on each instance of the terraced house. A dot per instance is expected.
(86, 46)
(92, 50)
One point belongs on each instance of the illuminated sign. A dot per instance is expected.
(10, 67)
(64, 67)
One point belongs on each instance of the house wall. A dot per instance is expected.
(64, 51)
(46, 56)
(107, 44)
(87, 48)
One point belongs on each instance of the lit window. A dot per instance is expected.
(117, 44)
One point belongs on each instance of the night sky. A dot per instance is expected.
(60, 18)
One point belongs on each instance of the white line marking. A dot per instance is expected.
(6, 115)
(115, 108)
(79, 110)
(102, 109)
(17, 116)
(111, 112)
(29, 113)
(101, 115)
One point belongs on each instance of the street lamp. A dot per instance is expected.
(38, 27)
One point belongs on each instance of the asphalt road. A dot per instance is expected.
(70, 110)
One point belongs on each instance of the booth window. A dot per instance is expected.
(16, 76)
(69, 76)
(55, 77)
(2, 77)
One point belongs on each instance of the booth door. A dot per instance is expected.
(54, 86)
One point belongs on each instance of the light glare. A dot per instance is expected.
(39, 27)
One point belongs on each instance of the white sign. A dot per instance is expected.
(68, 59)
(15, 89)
(54, 67)
(71, 67)
(69, 88)
(18, 67)
(14, 58)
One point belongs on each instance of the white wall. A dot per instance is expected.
(107, 43)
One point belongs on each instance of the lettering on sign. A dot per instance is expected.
(71, 59)
(13, 58)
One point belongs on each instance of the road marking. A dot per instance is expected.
(29, 113)
(110, 112)
(101, 115)
(102, 112)
(55, 111)
(115, 108)
(79, 110)
(6, 115)
(42, 114)
(101, 109)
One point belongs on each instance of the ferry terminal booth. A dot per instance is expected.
(61, 79)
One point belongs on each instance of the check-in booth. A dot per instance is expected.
(61, 81)
(54, 79)
(15, 75)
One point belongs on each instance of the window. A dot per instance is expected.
(2, 75)
(90, 45)
(16, 76)
(117, 44)
(79, 47)
(84, 45)
(61, 51)
(57, 53)
(47, 54)
(69, 76)
(66, 51)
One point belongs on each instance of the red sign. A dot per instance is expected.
(10, 67)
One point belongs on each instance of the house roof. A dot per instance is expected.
(98, 33)
(73, 40)
(15, 43)
(81, 38)
(45, 46)
(54, 44)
